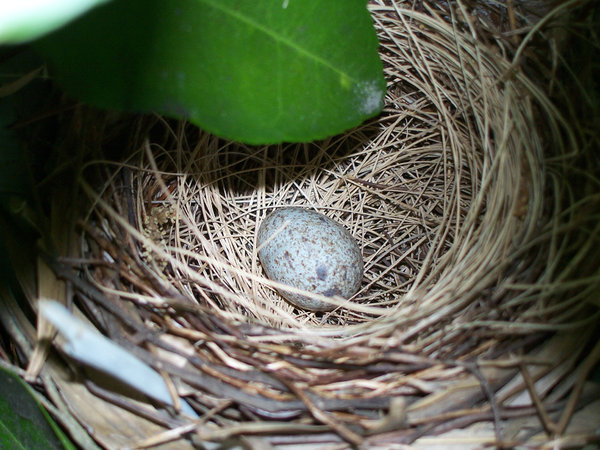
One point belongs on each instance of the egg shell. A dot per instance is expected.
(309, 251)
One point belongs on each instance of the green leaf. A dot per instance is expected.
(24, 424)
(23, 20)
(257, 71)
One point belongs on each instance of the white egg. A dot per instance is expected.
(307, 250)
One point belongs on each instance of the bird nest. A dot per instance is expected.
(456, 195)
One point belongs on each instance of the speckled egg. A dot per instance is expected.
(309, 251)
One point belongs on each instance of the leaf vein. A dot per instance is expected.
(278, 37)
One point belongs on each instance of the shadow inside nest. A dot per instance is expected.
(240, 169)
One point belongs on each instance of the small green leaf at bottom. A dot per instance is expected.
(24, 424)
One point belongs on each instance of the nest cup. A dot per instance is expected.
(445, 193)
(442, 192)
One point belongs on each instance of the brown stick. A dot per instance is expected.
(325, 418)
(585, 368)
(547, 423)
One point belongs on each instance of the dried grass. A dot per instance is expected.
(474, 241)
